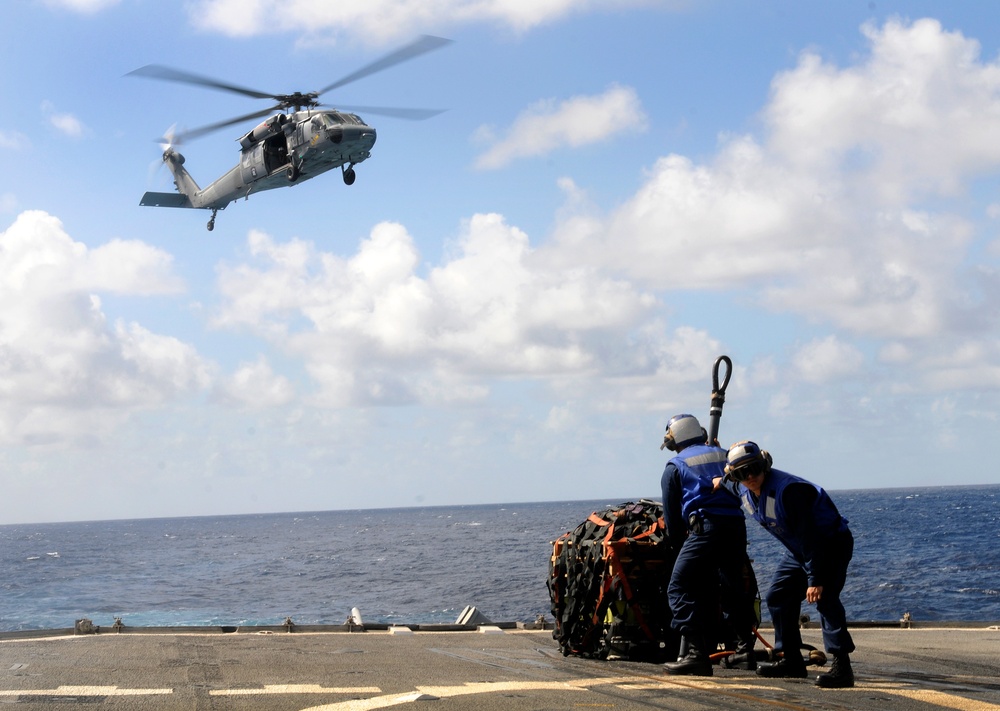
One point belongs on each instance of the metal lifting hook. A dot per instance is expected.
(718, 397)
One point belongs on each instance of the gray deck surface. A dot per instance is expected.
(485, 670)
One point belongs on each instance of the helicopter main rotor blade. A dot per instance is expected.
(419, 46)
(400, 113)
(203, 130)
(156, 71)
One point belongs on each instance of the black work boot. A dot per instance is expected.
(694, 663)
(840, 676)
(788, 667)
(743, 658)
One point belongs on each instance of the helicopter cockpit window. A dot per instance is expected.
(336, 118)
(331, 119)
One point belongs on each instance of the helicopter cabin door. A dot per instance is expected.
(264, 158)
(275, 152)
(252, 164)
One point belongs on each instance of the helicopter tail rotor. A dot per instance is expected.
(170, 139)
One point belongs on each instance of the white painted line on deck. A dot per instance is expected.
(636, 683)
(296, 689)
(443, 692)
(86, 691)
(939, 698)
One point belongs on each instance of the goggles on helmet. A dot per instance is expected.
(747, 471)
(746, 460)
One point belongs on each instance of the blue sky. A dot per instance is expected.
(515, 295)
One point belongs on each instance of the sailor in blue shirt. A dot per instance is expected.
(819, 547)
(708, 528)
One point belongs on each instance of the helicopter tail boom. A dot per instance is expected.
(187, 188)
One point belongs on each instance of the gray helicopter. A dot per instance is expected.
(289, 147)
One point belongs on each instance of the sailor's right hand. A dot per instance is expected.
(716, 483)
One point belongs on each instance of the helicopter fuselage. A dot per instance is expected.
(283, 150)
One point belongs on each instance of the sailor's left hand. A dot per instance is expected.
(813, 594)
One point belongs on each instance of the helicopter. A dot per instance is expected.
(303, 140)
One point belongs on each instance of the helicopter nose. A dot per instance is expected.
(359, 134)
(353, 134)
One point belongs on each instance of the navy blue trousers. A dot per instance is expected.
(788, 590)
(709, 570)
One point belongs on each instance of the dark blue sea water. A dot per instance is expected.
(933, 552)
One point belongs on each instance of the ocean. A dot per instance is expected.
(932, 552)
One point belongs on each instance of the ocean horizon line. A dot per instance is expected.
(417, 507)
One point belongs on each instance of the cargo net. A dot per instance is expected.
(607, 583)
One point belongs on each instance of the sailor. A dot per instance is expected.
(819, 547)
(708, 528)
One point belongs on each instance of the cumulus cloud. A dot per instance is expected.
(849, 208)
(377, 21)
(968, 364)
(914, 118)
(372, 328)
(255, 385)
(66, 372)
(67, 124)
(827, 359)
(549, 126)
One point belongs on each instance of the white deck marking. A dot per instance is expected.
(86, 691)
(296, 689)
(443, 692)
(938, 698)
(934, 698)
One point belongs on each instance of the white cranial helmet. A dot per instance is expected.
(682, 431)
(745, 459)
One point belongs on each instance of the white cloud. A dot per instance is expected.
(65, 372)
(827, 359)
(970, 364)
(13, 140)
(918, 115)
(378, 21)
(66, 124)
(82, 6)
(578, 121)
(848, 211)
(372, 329)
(38, 258)
(255, 385)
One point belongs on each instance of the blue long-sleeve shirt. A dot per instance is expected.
(798, 525)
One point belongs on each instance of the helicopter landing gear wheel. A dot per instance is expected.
(349, 176)
(292, 173)
(211, 221)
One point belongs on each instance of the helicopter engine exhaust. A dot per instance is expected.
(272, 127)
